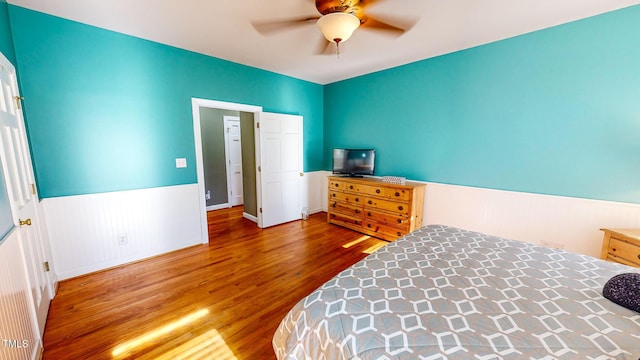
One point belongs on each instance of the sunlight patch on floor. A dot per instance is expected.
(370, 250)
(356, 241)
(151, 336)
(209, 345)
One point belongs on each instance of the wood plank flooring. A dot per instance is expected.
(223, 300)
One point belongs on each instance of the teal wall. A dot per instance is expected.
(6, 36)
(552, 112)
(6, 48)
(556, 111)
(107, 111)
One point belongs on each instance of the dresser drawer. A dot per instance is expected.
(341, 219)
(385, 231)
(368, 189)
(388, 205)
(346, 197)
(346, 208)
(396, 221)
(337, 185)
(625, 251)
(398, 194)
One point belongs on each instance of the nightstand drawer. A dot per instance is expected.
(621, 245)
(623, 250)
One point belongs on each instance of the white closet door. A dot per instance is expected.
(280, 168)
(18, 172)
(233, 155)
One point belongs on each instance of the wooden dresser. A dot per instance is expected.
(622, 246)
(370, 206)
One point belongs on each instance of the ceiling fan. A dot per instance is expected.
(337, 21)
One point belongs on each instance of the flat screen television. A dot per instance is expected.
(354, 162)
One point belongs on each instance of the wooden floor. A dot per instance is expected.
(223, 300)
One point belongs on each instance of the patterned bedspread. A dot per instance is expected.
(447, 293)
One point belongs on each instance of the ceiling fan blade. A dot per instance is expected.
(329, 6)
(402, 25)
(268, 27)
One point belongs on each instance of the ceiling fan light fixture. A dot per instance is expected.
(338, 26)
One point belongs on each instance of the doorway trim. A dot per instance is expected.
(196, 104)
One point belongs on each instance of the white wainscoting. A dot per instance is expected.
(560, 222)
(85, 230)
(17, 324)
(316, 191)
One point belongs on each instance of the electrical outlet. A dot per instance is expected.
(181, 163)
(122, 239)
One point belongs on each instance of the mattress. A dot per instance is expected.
(447, 293)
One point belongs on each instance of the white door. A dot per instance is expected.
(280, 174)
(233, 155)
(16, 163)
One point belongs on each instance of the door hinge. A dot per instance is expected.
(33, 188)
(46, 266)
(19, 102)
(258, 125)
(260, 210)
(259, 168)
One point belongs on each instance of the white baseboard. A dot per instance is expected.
(218, 207)
(84, 230)
(250, 217)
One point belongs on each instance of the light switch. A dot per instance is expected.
(181, 163)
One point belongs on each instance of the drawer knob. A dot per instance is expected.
(357, 211)
(333, 205)
(399, 233)
(370, 202)
(351, 187)
(369, 225)
(399, 221)
(400, 208)
(377, 191)
(357, 200)
(369, 214)
(334, 195)
(397, 193)
(337, 185)
(638, 256)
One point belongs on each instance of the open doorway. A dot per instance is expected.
(215, 195)
(228, 155)
(277, 167)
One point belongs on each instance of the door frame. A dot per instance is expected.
(227, 155)
(196, 104)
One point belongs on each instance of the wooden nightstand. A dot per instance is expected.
(622, 246)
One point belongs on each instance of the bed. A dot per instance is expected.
(447, 293)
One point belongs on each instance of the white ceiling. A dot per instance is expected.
(222, 28)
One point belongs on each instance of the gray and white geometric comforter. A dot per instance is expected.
(447, 293)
